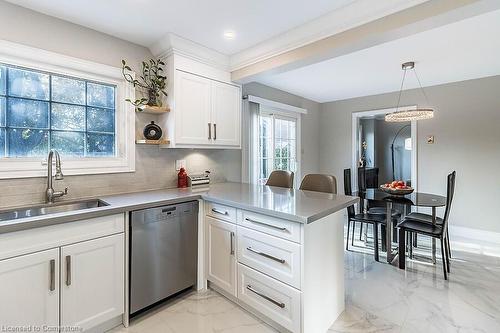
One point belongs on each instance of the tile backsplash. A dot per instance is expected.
(155, 169)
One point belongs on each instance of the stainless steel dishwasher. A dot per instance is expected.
(163, 253)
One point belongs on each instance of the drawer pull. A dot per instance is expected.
(268, 256)
(265, 224)
(52, 284)
(219, 212)
(267, 298)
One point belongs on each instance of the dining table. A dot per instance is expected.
(414, 199)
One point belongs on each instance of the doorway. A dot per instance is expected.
(387, 150)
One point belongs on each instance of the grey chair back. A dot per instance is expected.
(319, 183)
(281, 178)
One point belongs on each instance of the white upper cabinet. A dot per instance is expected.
(29, 289)
(193, 109)
(226, 114)
(205, 107)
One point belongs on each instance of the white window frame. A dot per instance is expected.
(285, 115)
(38, 59)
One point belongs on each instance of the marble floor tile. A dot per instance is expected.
(379, 298)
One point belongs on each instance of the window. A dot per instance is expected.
(277, 149)
(42, 111)
(52, 101)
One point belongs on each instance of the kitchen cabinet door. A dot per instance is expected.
(29, 289)
(226, 114)
(192, 109)
(92, 286)
(221, 258)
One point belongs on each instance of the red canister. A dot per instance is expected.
(182, 178)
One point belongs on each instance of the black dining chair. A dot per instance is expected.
(427, 218)
(374, 219)
(433, 230)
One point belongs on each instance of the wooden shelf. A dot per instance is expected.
(154, 110)
(152, 142)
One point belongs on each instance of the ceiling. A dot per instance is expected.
(144, 22)
(467, 49)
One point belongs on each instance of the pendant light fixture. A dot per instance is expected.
(409, 115)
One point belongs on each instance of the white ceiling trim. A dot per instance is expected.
(276, 105)
(355, 14)
(171, 43)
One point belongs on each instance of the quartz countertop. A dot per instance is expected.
(294, 205)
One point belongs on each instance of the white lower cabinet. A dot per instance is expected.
(29, 289)
(92, 288)
(221, 258)
(276, 300)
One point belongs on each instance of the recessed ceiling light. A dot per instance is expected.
(229, 34)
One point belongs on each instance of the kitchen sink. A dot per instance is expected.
(59, 207)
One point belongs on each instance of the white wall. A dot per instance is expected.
(154, 167)
(309, 121)
(467, 134)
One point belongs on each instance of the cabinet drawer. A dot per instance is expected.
(221, 212)
(277, 301)
(271, 225)
(270, 255)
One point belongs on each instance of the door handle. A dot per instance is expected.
(215, 131)
(68, 270)
(265, 255)
(209, 131)
(232, 243)
(267, 298)
(52, 283)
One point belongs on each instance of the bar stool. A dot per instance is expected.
(280, 178)
(319, 183)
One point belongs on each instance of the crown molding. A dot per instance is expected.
(172, 43)
(350, 16)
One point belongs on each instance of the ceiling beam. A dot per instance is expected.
(423, 17)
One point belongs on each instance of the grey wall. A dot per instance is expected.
(467, 136)
(154, 167)
(309, 122)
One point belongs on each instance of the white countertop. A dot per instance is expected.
(294, 205)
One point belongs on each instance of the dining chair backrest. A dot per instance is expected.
(361, 179)
(281, 178)
(319, 183)
(450, 192)
(348, 191)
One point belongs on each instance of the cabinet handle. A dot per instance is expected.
(52, 284)
(232, 243)
(267, 298)
(265, 224)
(209, 131)
(219, 211)
(215, 131)
(68, 270)
(265, 255)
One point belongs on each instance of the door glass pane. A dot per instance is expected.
(28, 142)
(68, 90)
(28, 113)
(100, 95)
(68, 117)
(2, 110)
(100, 120)
(2, 142)
(100, 144)
(68, 143)
(3, 79)
(24, 83)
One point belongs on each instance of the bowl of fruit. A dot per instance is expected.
(397, 187)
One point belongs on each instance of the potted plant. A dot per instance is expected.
(151, 81)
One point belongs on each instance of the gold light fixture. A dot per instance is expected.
(410, 115)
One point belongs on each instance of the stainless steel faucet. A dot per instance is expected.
(50, 194)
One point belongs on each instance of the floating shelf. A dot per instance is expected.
(152, 142)
(154, 110)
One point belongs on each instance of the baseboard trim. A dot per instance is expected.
(475, 234)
